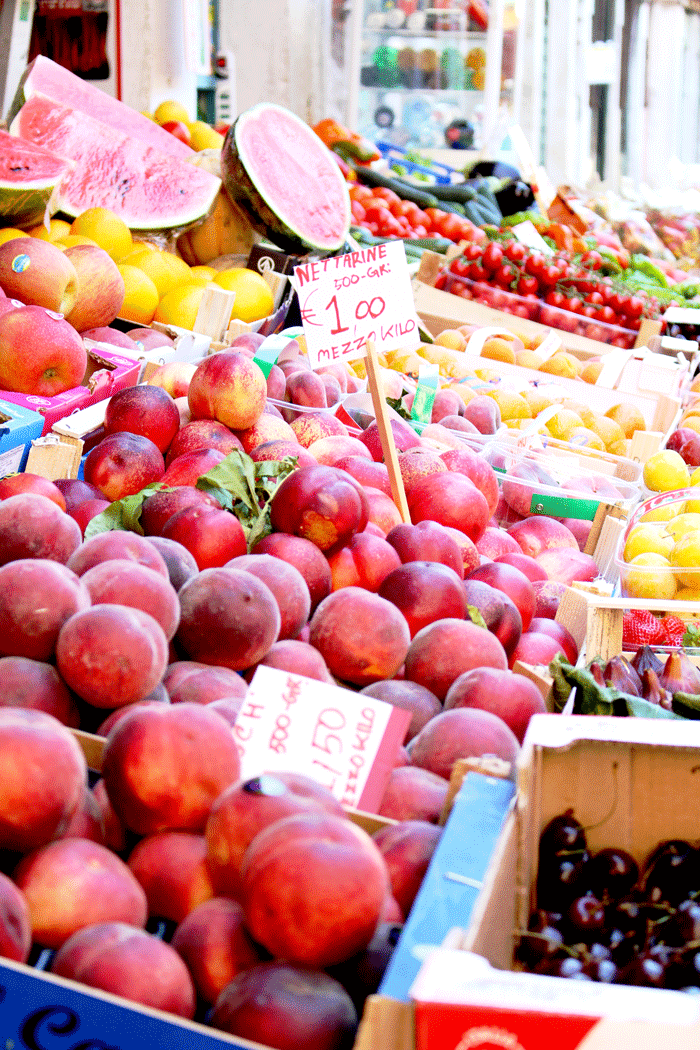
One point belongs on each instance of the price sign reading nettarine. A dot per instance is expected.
(346, 741)
(347, 299)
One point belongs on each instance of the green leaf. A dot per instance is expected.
(691, 638)
(124, 514)
(591, 698)
(636, 705)
(687, 704)
(397, 404)
(476, 617)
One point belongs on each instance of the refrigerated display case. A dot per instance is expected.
(433, 74)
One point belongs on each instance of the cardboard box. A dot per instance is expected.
(646, 790)
(107, 371)
(19, 425)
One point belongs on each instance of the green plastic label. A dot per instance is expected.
(564, 506)
(424, 397)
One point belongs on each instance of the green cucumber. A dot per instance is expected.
(370, 177)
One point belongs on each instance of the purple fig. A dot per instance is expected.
(644, 658)
(597, 672)
(653, 691)
(620, 674)
(680, 675)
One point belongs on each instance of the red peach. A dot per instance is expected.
(462, 733)
(171, 867)
(146, 410)
(187, 681)
(123, 464)
(37, 596)
(539, 532)
(106, 546)
(189, 467)
(212, 535)
(494, 542)
(304, 556)
(361, 636)
(534, 647)
(202, 434)
(405, 437)
(450, 499)
(426, 541)
(477, 469)
(276, 450)
(368, 472)
(513, 583)
(443, 650)
(13, 484)
(532, 569)
(409, 696)
(229, 387)
(297, 657)
(322, 504)
(413, 793)
(15, 922)
(159, 507)
(179, 562)
(512, 697)
(407, 849)
(267, 428)
(364, 561)
(288, 587)
(311, 426)
(124, 582)
(425, 591)
(35, 684)
(88, 510)
(33, 526)
(556, 630)
(215, 945)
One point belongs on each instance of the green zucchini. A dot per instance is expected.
(370, 177)
(431, 244)
(457, 193)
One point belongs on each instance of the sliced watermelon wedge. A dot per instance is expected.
(44, 77)
(146, 188)
(29, 175)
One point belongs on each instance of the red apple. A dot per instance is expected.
(38, 273)
(100, 287)
(40, 353)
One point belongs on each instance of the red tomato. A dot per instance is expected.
(505, 274)
(421, 231)
(451, 227)
(555, 298)
(383, 193)
(515, 251)
(607, 315)
(595, 298)
(460, 266)
(358, 212)
(592, 260)
(360, 193)
(377, 213)
(421, 219)
(527, 285)
(535, 264)
(573, 304)
(477, 272)
(390, 227)
(472, 252)
(634, 307)
(590, 311)
(492, 257)
(435, 215)
(550, 275)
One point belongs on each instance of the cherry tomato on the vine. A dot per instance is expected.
(505, 274)
(535, 264)
(527, 284)
(515, 251)
(460, 266)
(492, 257)
(592, 260)
(472, 252)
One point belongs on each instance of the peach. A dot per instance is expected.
(115, 716)
(228, 387)
(409, 696)
(304, 556)
(532, 569)
(202, 434)
(339, 371)
(361, 636)
(499, 613)
(446, 403)
(514, 583)
(73, 883)
(477, 469)
(405, 437)
(288, 587)
(267, 428)
(211, 534)
(484, 413)
(364, 561)
(289, 1007)
(307, 389)
(106, 546)
(112, 336)
(124, 582)
(160, 506)
(494, 542)
(297, 657)
(44, 771)
(556, 630)
(179, 562)
(146, 410)
(367, 471)
(470, 555)
(548, 596)
(446, 648)
(329, 450)
(523, 486)
(450, 499)
(425, 591)
(101, 287)
(462, 733)
(384, 515)
(37, 596)
(171, 867)
(426, 541)
(313, 886)
(322, 504)
(189, 467)
(33, 526)
(418, 463)
(165, 764)
(37, 272)
(35, 684)
(407, 849)
(75, 491)
(87, 821)
(214, 944)
(115, 833)
(512, 697)
(566, 565)
(580, 528)
(535, 647)
(40, 353)
(309, 427)
(276, 383)
(117, 958)
(228, 617)
(413, 793)
(111, 655)
(333, 391)
(276, 450)
(244, 809)
(187, 681)
(85, 512)
(539, 533)
(15, 922)
(174, 376)
(13, 484)
(123, 464)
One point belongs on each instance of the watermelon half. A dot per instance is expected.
(29, 175)
(278, 170)
(148, 189)
(47, 78)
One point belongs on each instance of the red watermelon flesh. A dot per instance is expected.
(47, 78)
(146, 188)
(29, 175)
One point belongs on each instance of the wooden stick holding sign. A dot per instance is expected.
(386, 434)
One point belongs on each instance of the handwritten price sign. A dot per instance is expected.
(347, 299)
(345, 741)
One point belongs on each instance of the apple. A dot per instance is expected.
(173, 376)
(38, 274)
(150, 338)
(105, 334)
(101, 287)
(40, 353)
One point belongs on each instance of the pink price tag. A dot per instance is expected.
(348, 742)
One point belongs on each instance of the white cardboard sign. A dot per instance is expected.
(347, 299)
(347, 741)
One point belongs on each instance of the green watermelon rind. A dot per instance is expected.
(24, 205)
(266, 217)
(27, 188)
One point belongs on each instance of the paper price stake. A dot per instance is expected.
(345, 741)
(347, 299)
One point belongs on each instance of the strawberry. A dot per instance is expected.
(673, 630)
(640, 627)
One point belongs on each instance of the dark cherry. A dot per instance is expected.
(560, 879)
(644, 970)
(603, 970)
(684, 924)
(566, 966)
(544, 939)
(671, 872)
(585, 918)
(611, 874)
(563, 834)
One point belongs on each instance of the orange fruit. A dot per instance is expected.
(165, 269)
(9, 233)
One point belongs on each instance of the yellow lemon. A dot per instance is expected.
(203, 271)
(141, 295)
(165, 269)
(106, 229)
(649, 576)
(689, 594)
(203, 136)
(685, 554)
(9, 233)
(648, 538)
(179, 306)
(682, 524)
(170, 110)
(57, 228)
(254, 300)
(665, 471)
